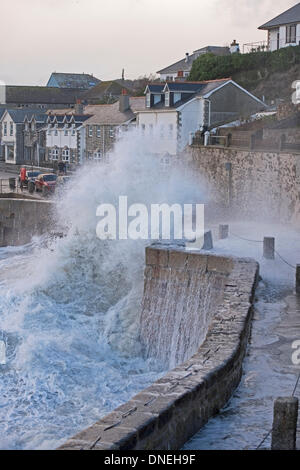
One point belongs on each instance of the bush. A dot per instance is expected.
(212, 67)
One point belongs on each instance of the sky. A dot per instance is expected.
(38, 37)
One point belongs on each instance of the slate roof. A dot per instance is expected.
(109, 114)
(78, 118)
(191, 89)
(292, 15)
(18, 115)
(40, 95)
(74, 80)
(186, 65)
(102, 89)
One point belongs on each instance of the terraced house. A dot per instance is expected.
(65, 138)
(107, 121)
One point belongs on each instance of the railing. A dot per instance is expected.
(250, 141)
(259, 46)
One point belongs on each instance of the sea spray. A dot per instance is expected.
(70, 307)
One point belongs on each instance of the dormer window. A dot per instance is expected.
(167, 99)
(11, 129)
(148, 100)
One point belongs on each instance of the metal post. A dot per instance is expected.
(223, 231)
(285, 423)
(208, 241)
(298, 278)
(269, 248)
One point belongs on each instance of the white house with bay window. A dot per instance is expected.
(284, 29)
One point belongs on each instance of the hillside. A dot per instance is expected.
(268, 74)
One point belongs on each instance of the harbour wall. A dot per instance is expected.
(21, 219)
(258, 185)
(166, 414)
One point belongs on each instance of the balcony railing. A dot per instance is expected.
(259, 46)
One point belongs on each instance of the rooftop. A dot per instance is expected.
(185, 64)
(82, 81)
(292, 15)
(40, 95)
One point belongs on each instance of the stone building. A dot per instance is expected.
(107, 120)
(34, 138)
(65, 138)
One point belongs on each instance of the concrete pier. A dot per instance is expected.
(285, 423)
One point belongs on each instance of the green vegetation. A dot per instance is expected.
(211, 67)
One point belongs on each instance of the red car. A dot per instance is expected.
(46, 183)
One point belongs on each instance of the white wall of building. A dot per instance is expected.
(9, 139)
(163, 126)
(282, 38)
(61, 140)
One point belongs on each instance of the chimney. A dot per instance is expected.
(79, 108)
(124, 102)
(186, 56)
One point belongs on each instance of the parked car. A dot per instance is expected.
(46, 183)
(30, 176)
(30, 180)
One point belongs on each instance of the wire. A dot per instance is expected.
(261, 241)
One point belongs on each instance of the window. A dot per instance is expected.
(49, 130)
(167, 99)
(66, 155)
(54, 154)
(90, 131)
(111, 132)
(55, 132)
(148, 100)
(11, 128)
(66, 131)
(33, 126)
(97, 155)
(291, 34)
(73, 130)
(5, 128)
(98, 131)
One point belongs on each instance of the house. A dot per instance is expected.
(12, 134)
(284, 30)
(174, 110)
(65, 138)
(181, 69)
(34, 138)
(105, 92)
(39, 97)
(106, 123)
(81, 81)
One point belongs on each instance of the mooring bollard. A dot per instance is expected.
(285, 423)
(298, 278)
(208, 241)
(223, 231)
(269, 248)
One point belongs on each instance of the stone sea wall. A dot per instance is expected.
(170, 411)
(21, 219)
(251, 184)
